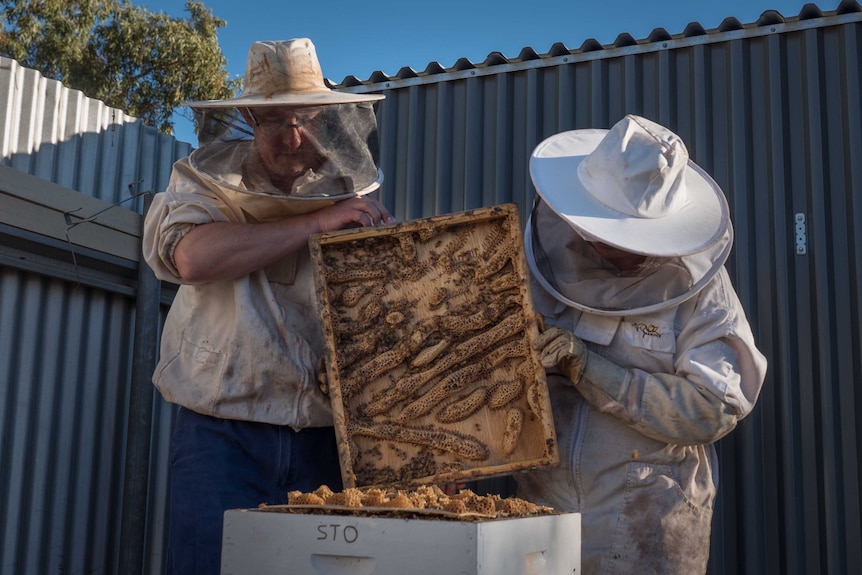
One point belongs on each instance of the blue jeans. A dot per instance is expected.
(221, 464)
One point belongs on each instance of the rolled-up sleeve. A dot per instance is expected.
(172, 214)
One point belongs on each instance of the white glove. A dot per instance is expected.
(564, 350)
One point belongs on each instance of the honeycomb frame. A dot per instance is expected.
(428, 328)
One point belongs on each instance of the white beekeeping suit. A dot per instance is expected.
(650, 356)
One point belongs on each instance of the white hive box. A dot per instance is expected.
(261, 542)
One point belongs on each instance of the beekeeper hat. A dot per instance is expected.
(284, 73)
(632, 187)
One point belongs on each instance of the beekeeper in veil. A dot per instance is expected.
(649, 354)
(286, 159)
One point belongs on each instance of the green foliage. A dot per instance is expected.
(142, 62)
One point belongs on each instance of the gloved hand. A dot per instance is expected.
(564, 350)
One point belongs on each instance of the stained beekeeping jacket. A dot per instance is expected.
(248, 348)
(672, 367)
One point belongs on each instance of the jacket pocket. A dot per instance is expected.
(192, 377)
(659, 529)
(283, 271)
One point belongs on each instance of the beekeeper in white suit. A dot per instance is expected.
(239, 352)
(649, 354)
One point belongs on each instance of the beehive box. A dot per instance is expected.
(428, 328)
(270, 542)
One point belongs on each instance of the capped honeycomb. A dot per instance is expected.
(428, 328)
(428, 501)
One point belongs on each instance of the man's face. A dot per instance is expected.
(283, 136)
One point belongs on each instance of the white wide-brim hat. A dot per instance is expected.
(632, 187)
(284, 73)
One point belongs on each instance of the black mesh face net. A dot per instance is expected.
(340, 139)
(573, 273)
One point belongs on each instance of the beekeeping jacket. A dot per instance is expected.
(672, 367)
(247, 348)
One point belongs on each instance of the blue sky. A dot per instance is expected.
(358, 38)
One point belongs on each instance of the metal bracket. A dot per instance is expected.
(801, 235)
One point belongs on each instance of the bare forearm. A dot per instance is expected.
(227, 250)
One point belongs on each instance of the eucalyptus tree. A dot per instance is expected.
(143, 62)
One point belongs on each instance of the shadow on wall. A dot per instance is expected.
(112, 165)
(62, 136)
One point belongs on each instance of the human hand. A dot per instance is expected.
(564, 350)
(354, 212)
(452, 488)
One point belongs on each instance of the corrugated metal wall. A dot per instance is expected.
(66, 352)
(60, 135)
(772, 109)
(69, 339)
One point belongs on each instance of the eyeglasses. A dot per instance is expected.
(294, 118)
